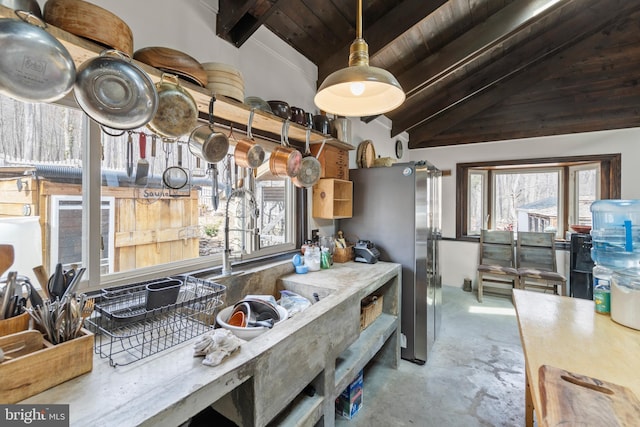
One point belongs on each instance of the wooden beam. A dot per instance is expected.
(382, 32)
(238, 20)
(477, 51)
(480, 92)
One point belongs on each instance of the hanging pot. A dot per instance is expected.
(247, 153)
(285, 161)
(206, 143)
(115, 92)
(177, 113)
(310, 167)
(34, 65)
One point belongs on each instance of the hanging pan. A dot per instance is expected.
(177, 113)
(34, 65)
(310, 167)
(206, 143)
(247, 153)
(115, 92)
(285, 161)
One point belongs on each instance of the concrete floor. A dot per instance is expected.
(474, 375)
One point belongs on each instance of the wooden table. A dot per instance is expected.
(567, 333)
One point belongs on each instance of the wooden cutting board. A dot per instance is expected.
(571, 399)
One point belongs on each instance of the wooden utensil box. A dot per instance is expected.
(334, 162)
(14, 324)
(41, 365)
(343, 254)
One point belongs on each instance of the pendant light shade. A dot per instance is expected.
(359, 90)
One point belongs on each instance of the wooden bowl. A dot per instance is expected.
(91, 22)
(583, 229)
(173, 61)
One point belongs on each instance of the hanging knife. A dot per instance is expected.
(130, 155)
(213, 168)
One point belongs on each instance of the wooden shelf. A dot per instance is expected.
(332, 199)
(226, 109)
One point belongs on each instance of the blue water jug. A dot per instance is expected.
(615, 233)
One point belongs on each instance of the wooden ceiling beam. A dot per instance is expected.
(475, 56)
(238, 20)
(518, 80)
(381, 33)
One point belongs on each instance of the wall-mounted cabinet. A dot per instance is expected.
(333, 199)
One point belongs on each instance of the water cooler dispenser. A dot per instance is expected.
(616, 253)
(581, 267)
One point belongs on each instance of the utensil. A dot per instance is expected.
(7, 258)
(8, 300)
(206, 143)
(310, 167)
(280, 109)
(175, 177)
(73, 284)
(247, 153)
(215, 198)
(130, 155)
(115, 92)
(87, 307)
(34, 65)
(57, 283)
(177, 112)
(173, 61)
(86, 20)
(142, 169)
(285, 161)
(43, 278)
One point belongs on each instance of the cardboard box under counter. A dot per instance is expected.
(43, 366)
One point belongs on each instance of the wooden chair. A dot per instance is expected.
(536, 262)
(496, 263)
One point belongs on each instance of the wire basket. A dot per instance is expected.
(126, 330)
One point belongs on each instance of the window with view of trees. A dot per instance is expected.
(145, 225)
(533, 195)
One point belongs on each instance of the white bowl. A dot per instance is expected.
(250, 332)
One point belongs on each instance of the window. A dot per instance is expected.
(533, 194)
(80, 181)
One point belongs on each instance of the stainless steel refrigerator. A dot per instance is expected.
(398, 208)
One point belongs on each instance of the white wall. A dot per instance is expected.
(458, 260)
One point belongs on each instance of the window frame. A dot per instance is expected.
(610, 182)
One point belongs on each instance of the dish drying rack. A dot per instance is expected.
(125, 331)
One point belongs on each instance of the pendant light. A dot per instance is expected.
(359, 90)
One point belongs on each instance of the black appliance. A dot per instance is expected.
(366, 252)
(581, 267)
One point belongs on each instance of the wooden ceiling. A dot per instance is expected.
(473, 70)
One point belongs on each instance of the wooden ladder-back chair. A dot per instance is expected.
(536, 262)
(496, 263)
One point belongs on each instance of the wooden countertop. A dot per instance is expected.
(567, 333)
(168, 388)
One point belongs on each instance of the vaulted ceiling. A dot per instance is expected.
(473, 70)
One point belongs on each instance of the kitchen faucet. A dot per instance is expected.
(254, 211)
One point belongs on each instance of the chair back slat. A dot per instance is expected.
(536, 250)
(497, 248)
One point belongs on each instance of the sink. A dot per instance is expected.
(268, 281)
